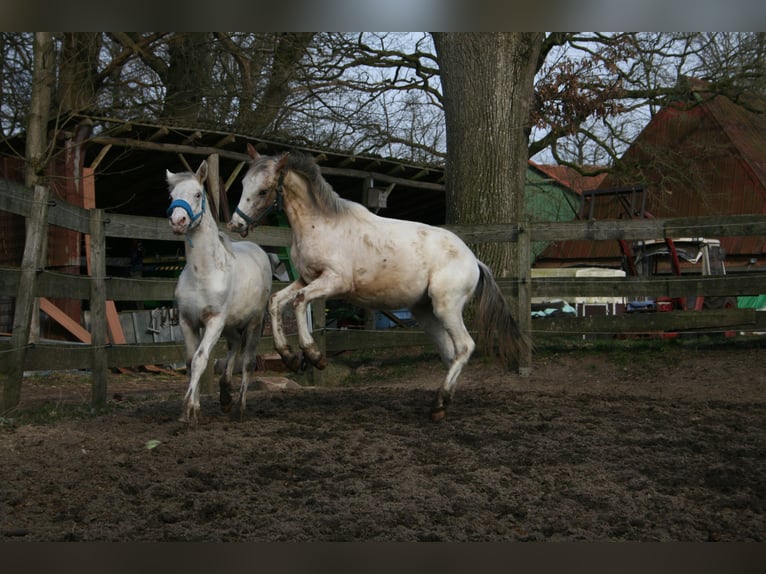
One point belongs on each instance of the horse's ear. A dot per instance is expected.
(282, 161)
(168, 175)
(251, 152)
(201, 174)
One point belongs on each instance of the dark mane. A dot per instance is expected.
(326, 198)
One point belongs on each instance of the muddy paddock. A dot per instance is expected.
(660, 442)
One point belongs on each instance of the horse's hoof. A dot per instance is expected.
(438, 414)
(294, 363)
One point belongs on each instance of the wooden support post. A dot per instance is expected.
(524, 306)
(25, 299)
(214, 185)
(98, 322)
(318, 322)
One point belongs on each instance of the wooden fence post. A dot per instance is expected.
(318, 322)
(25, 298)
(524, 245)
(98, 322)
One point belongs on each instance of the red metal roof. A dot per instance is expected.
(570, 177)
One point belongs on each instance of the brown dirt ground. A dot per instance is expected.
(659, 443)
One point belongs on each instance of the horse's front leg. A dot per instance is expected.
(199, 361)
(325, 286)
(277, 305)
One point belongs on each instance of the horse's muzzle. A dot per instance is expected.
(237, 227)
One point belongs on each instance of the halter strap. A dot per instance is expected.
(278, 205)
(183, 204)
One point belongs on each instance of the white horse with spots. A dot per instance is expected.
(223, 290)
(342, 250)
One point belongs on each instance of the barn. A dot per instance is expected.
(701, 155)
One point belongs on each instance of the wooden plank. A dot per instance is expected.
(25, 300)
(649, 322)
(14, 199)
(64, 320)
(728, 285)
(632, 229)
(350, 339)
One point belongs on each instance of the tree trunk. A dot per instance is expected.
(188, 77)
(289, 51)
(39, 108)
(78, 71)
(487, 84)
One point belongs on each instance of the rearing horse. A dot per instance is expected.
(222, 290)
(342, 250)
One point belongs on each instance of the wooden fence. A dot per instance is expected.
(31, 280)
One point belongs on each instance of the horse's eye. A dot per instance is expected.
(198, 195)
(263, 192)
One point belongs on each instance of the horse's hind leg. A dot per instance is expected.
(449, 326)
(250, 344)
(224, 383)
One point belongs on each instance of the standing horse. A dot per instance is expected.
(224, 289)
(342, 250)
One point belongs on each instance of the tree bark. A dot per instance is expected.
(39, 108)
(78, 71)
(187, 77)
(290, 49)
(487, 84)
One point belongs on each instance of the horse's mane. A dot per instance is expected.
(326, 198)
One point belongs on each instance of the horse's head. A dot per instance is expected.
(187, 195)
(261, 191)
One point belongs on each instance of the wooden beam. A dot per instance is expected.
(214, 186)
(186, 163)
(401, 181)
(194, 136)
(169, 147)
(233, 176)
(47, 306)
(101, 155)
(160, 133)
(225, 140)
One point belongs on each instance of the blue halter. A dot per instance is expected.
(183, 204)
(193, 217)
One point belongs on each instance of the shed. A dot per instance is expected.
(119, 166)
(702, 155)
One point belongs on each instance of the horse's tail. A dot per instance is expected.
(497, 329)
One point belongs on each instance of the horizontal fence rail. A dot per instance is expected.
(15, 198)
